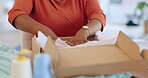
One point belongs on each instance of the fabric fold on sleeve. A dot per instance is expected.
(13, 13)
(20, 7)
(93, 10)
(100, 16)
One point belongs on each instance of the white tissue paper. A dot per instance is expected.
(42, 39)
(142, 44)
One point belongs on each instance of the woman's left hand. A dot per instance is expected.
(79, 38)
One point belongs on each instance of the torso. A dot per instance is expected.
(65, 17)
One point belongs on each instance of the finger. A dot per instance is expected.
(74, 43)
(77, 43)
(80, 42)
(85, 41)
(69, 43)
(93, 38)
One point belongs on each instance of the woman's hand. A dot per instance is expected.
(93, 38)
(79, 38)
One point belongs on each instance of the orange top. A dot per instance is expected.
(65, 18)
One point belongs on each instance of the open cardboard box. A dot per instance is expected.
(123, 56)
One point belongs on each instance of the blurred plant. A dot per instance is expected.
(142, 7)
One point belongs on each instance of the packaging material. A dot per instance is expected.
(21, 68)
(143, 47)
(122, 56)
(142, 44)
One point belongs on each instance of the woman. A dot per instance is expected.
(59, 18)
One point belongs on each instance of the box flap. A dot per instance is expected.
(129, 47)
(35, 46)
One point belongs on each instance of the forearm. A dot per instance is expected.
(94, 26)
(27, 24)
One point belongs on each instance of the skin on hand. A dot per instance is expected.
(93, 38)
(79, 38)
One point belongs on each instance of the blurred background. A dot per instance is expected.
(129, 16)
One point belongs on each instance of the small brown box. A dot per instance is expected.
(123, 56)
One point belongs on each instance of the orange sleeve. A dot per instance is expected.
(93, 10)
(20, 7)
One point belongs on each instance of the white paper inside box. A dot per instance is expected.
(94, 60)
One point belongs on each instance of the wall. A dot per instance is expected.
(5, 5)
(117, 13)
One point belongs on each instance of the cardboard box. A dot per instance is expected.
(123, 56)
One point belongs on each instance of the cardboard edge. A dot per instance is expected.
(129, 47)
(35, 46)
(66, 38)
(144, 54)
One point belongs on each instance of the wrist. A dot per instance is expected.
(83, 32)
(87, 28)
